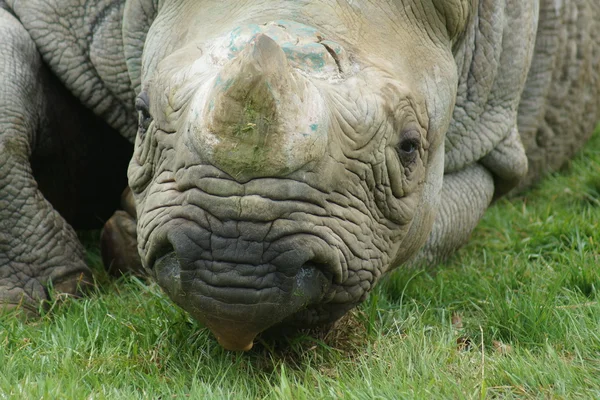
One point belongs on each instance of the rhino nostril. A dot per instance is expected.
(315, 279)
(158, 252)
(330, 266)
(167, 272)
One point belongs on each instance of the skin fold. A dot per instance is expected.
(286, 154)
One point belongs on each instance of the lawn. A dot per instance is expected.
(515, 314)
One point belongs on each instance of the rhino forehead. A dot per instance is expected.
(407, 38)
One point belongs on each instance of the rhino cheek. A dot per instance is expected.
(426, 211)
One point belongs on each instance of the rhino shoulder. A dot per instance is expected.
(82, 43)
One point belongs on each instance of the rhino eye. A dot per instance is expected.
(142, 105)
(408, 147)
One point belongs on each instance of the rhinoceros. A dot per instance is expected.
(281, 155)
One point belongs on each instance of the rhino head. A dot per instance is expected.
(289, 153)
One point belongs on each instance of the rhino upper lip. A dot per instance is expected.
(328, 264)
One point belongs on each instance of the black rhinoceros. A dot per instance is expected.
(286, 154)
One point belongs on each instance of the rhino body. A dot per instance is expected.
(284, 155)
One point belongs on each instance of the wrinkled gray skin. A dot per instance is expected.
(287, 153)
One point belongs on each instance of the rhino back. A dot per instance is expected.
(560, 105)
(83, 45)
(529, 89)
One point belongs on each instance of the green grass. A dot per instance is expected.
(515, 314)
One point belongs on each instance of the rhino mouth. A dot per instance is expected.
(235, 297)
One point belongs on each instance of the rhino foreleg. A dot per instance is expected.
(37, 246)
(466, 195)
(119, 240)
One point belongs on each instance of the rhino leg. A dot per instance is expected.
(119, 240)
(37, 246)
(466, 195)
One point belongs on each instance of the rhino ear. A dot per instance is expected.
(137, 19)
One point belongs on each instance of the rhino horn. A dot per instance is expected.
(261, 64)
(266, 119)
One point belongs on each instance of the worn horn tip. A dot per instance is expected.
(265, 50)
(232, 336)
(236, 345)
